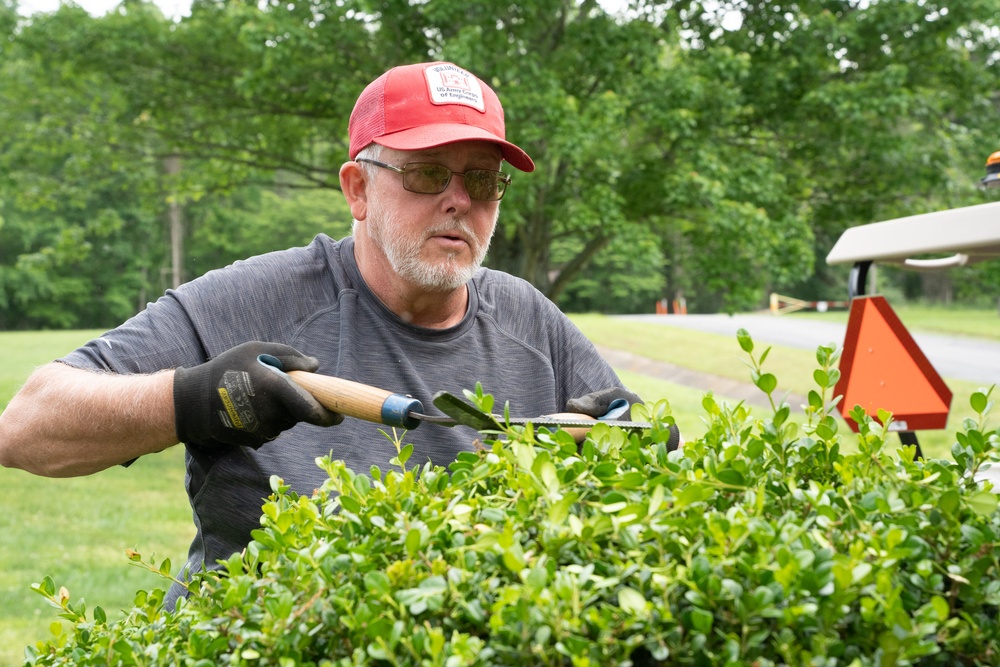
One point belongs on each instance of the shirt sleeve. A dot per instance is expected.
(160, 337)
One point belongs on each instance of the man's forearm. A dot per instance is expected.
(67, 422)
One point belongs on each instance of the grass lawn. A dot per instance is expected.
(949, 320)
(77, 530)
(22, 351)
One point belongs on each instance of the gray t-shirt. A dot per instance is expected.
(512, 339)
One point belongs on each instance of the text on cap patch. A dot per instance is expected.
(448, 84)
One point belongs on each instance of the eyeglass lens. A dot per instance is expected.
(429, 178)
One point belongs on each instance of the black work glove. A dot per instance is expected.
(597, 403)
(237, 400)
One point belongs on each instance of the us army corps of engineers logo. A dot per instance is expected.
(448, 84)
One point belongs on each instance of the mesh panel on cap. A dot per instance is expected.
(368, 119)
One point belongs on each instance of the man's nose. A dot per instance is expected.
(456, 195)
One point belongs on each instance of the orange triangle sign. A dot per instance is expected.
(882, 367)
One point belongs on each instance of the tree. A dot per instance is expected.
(879, 107)
(568, 72)
(254, 220)
(75, 214)
(745, 136)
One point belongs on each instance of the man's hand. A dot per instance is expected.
(239, 401)
(596, 404)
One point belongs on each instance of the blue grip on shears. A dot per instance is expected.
(270, 361)
(616, 409)
(396, 411)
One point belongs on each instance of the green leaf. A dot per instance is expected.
(377, 582)
(349, 503)
(702, 620)
(746, 343)
(377, 652)
(513, 557)
(692, 493)
(537, 579)
(983, 503)
(46, 588)
(949, 501)
(978, 402)
(731, 477)
(632, 601)
(860, 571)
(763, 356)
(404, 454)
(767, 383)
(815, 400)
(656, 498)
(434, 584)
(941, 608)
(413, 542)
(631, 513)
(362, 485)
(781, 415)
(549, 476)
(559, 511)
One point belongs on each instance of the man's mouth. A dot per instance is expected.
(451, 237)
(450, 244)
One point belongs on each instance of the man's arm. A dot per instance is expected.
(67, 422)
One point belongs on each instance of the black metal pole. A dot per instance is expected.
(856, 283)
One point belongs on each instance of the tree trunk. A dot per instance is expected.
(535, 258)
(175, 214)
(576, 265)
(937, 287)
(525, 253)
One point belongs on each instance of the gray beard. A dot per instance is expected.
(403, 253)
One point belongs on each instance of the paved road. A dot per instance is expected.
(953, 357)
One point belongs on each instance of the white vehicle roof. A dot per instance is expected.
(972, 234)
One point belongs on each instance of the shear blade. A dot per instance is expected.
(465, 413)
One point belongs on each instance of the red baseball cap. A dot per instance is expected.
(430, 104)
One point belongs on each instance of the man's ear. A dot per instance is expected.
(354, 185)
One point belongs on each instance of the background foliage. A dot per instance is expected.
(710, 149)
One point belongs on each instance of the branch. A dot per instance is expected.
(571, 270)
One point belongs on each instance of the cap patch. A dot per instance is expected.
(448, 84)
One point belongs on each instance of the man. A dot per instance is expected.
(401, 305)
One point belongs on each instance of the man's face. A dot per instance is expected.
(433, 241)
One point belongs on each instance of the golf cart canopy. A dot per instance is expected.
(970, 234)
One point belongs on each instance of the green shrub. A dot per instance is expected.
(761, 543)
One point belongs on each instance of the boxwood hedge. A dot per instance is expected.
(764, 542)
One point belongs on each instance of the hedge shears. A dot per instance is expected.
(362, 401)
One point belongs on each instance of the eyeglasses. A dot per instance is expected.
(428, 178)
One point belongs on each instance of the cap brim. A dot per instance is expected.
(431, 136)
